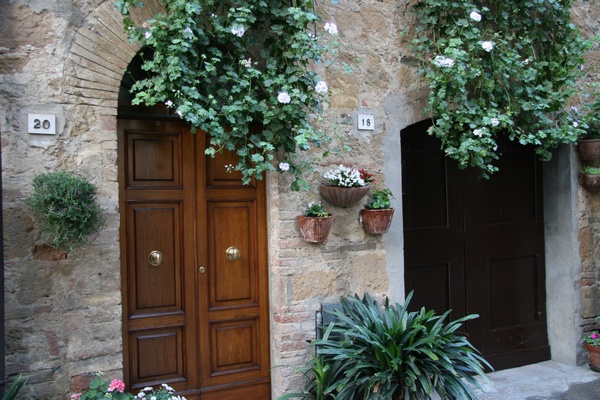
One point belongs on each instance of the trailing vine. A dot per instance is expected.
(499, 69)
(240, 70)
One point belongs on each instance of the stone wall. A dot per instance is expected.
(66, 57)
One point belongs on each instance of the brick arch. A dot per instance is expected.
(99, 54)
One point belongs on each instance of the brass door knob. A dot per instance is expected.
(232, 253)
(155, 258)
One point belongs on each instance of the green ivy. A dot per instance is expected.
(227, 65)
(499, 68)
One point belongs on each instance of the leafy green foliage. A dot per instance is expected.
(380, 199)
(12, 393)
(590, 170)
(499, 68)
(67, 208)
(225, 66)
(387, 352)
(316, 210)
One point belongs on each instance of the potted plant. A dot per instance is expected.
(589, 177)
(315, 224)
(344, 186)
(386, 352)
(589, 143)
(592, 344)
(67, 209)
(377, 215)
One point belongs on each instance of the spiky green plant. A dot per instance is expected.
(384, 351)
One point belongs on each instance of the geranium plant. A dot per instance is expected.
(343, 176)
(502, 68)
(316, 210)
(100, 389)
(239, 70)
(380, 199)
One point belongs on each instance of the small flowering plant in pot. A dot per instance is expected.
(315, 223)
(377, 215)
(592, 344)
(344, 186)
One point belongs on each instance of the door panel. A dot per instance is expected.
(195, 320)
(487, 257)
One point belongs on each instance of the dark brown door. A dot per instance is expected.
(194, 266)
(476, 246)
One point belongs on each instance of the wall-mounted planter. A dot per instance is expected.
(590, 182)
(343, 196)
(376, 222)
(314, 229)
(589, 149)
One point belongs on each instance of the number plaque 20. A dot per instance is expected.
(41, 124)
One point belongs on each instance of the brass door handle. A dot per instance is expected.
(155, 258)
(232, 253)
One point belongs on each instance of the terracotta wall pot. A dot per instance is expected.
(343, 196)
(589, 149)
(376, 222)
(594, 353)
(590, 182)
(314, 229)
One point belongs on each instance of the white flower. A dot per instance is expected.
(169, 103)
(247, 62)
(441, 61)
(575, 124)
(478, 132)
(238, 31)
(526, 61)
(283, 98)
(187, 30)
(495, 122)
(321, 87)
(284, 166)
(331, 28)
(487, 45)
(495, 148)
(344, 177)
(475, 16)
(147, 35)
(179, 113)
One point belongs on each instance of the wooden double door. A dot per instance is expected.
(194, 266)
(476, 246)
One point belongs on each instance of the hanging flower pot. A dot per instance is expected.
(344, 186)
(589, 178)
(315, 224)
(343, 196)
(314, 229)
(376, 222)
(589, 149)
(377, 215)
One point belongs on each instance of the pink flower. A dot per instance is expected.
(117, 385)
(76, 396)
(595, 336)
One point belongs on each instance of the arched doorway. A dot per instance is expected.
(194, 261)
(477, 246)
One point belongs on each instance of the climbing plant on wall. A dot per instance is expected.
(498, 68)
(226, 65)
